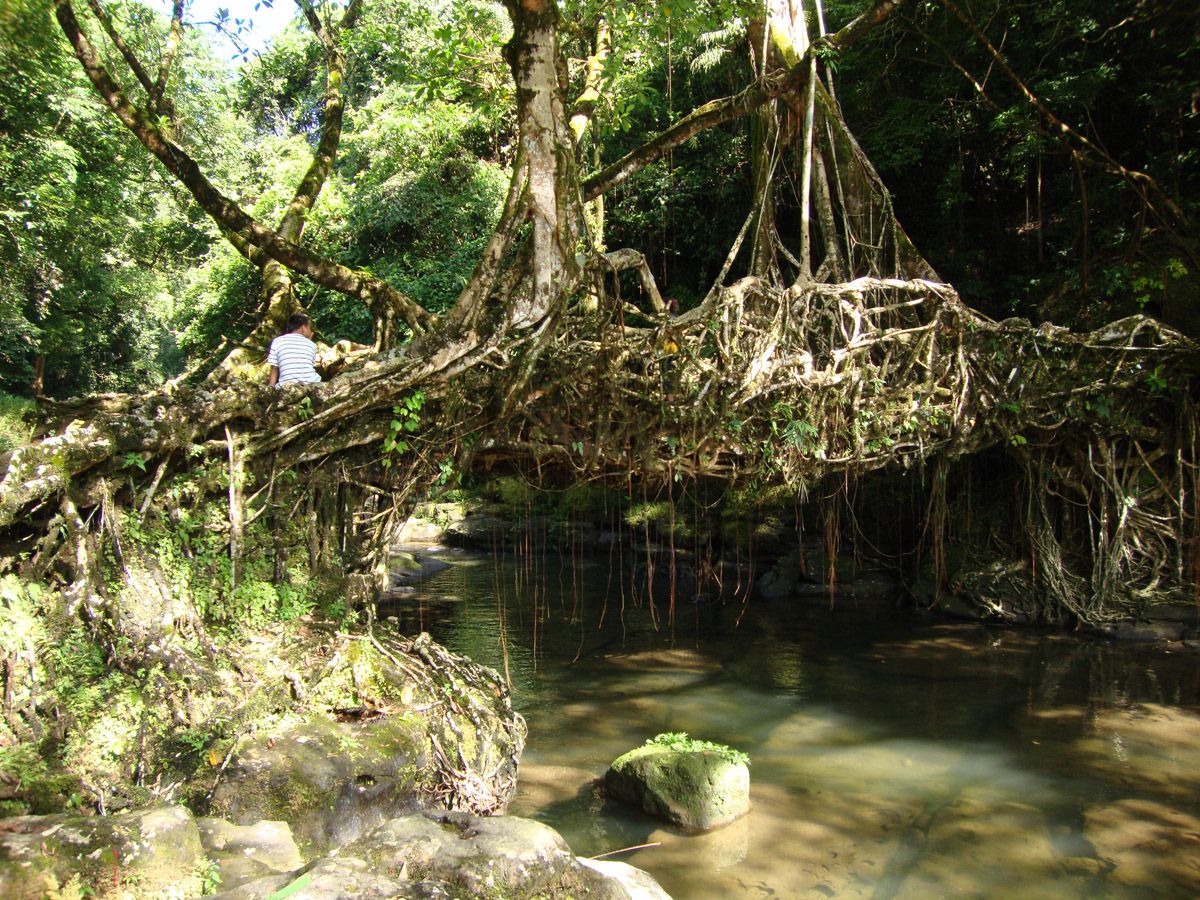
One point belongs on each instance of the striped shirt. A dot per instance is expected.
(293, 354)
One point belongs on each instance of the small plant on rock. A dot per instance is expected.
(680, 742)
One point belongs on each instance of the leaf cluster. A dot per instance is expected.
(681, 743)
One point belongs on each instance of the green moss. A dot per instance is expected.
(646, 513)
(43, 788)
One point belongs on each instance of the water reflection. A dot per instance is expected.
(890, 758)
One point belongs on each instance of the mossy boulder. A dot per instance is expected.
(450, 856)
(152, 852)
(693, 784)
(494, 857)
(332, 781)
(504, 856)
(420, 728)
(333, 878)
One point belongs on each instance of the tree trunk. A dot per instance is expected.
(548, 151)
(777, 42)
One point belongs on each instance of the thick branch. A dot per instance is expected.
(863, 25)
(709, 115)
(174, 40)
(593, 81)
(131, 59)
(292, 225)
(622, 260)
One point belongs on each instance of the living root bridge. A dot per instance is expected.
(840, 379)
(819, 378)
(758, 382)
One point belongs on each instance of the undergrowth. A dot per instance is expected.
(13, 430)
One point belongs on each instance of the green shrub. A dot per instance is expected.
(13, 430)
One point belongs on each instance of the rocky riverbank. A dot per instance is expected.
(388, 777)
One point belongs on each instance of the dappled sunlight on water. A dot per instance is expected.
(890, 758)
(1148, 844)
(1147, 747)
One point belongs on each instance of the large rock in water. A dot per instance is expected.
(696, 789)
(153, 852)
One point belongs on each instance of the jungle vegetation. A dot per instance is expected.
(904, 237)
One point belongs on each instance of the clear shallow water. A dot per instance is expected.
(890, 758)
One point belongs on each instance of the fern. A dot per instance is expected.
(716, 45)
(681, 743)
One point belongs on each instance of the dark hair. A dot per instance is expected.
(297, 321)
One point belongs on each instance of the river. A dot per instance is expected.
(891, 755)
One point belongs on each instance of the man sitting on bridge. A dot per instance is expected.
(292, 354)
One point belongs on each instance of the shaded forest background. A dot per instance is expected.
(113, 280)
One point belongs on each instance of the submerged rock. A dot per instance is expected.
(697, 789)
(1150, 846)
(791, 578)
(155, 850)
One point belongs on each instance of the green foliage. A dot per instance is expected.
(406, 420)
(42, 789)
(22, 628)
(515, 493)
(209, 874)
(680, 742)
(191, 549)
(134, 461)
(646, 513)
(421, 203)
(13, 430)
(590, 500)
(217, 300)
(339, 612)
(989, 193)
(1156, 381)
(789, 424)
(92, 247)
(59, 674)
(253, 604)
